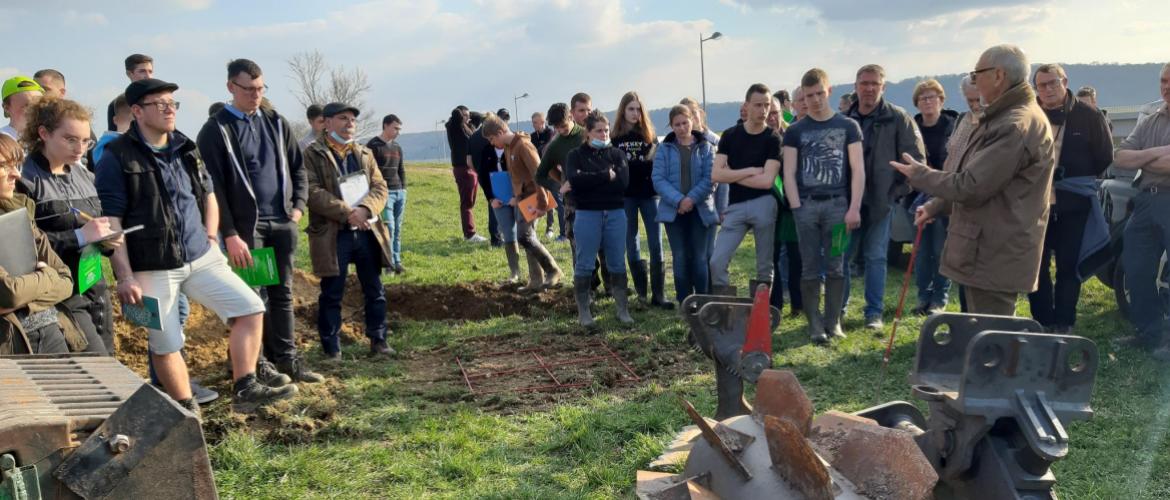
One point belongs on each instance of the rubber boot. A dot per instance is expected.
(834, 307)
(657, 283)
(548, 265)
(638, 269)
(581, 290)
(512, 250)
(810, 291)
(620, 297)
(535, 275)
(606, 278)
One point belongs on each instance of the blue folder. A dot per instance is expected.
(502, 186)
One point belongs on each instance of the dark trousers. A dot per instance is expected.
(1056, 305)
(280, 343)
(466, 181)
(44, 340)
(791, 250)
(688, 249)
(1147, 237)
(93, 314)
(360, 248)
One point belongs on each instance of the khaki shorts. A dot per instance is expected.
(207, 280)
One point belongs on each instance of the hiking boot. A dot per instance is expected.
(267, 374)
(582, 293)
(332, 357)
(380, 348)
(250, 394)
(295, 369)
(621, 298)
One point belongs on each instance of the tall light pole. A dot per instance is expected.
(516, 105)
(702, 68)
(442, 139)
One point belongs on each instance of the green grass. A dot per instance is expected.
(395, 438)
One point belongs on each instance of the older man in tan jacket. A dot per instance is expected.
(1000, 193)
(346, 192)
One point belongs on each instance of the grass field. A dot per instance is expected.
(407, 429)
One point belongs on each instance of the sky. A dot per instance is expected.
(424, 57)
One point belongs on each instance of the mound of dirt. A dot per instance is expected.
(206, 346)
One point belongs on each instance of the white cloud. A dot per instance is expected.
(75, 18)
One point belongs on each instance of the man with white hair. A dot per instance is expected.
(1147, 234)
(999, 192)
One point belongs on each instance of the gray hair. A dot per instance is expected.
(966, 83)
(1166, 66)
(1011, 60)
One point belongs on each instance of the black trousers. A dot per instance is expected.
(1055, 304)
(280, 343)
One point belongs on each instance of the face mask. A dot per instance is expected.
(339, 139)
(598, 143)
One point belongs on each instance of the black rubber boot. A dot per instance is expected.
(834, 306)
(657, 283)
(638, 270)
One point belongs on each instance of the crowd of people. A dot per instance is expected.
(1001, 192)
(998, 192)
(175, 214)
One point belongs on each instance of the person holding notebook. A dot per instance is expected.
(29, 323)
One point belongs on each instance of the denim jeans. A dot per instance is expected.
(688, 249)
(648, 207)
(932, 285)
(1147, 237)
(362, 249)
(505, 222)
(597, 230)
(873, 241)
(392, 216)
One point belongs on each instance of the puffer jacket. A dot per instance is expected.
(667, 176)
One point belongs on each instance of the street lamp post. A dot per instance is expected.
(702, 67)
(442, 150)
(516, 105)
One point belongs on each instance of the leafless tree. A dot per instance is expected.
(315, 82)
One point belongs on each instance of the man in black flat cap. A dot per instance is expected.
(152, 176)
(346, 194)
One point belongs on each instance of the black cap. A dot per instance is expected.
(136, 91)
(334, 108)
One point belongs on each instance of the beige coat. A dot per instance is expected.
(37, 291)
(999, 196)
(327, 211)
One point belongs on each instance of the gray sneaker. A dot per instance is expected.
(267, 374)
(874, 323)
(255, 395)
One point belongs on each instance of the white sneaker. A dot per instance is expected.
(475, 238)
(550, 235)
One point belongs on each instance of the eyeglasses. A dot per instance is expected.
(254, 90)
(74, 142)
(1051, 84)
(929, 97)
(975, 74)
(162, 106)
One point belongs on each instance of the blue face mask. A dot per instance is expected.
(339, 139)
(598, 143)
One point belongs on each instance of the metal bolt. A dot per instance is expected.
(119, 443)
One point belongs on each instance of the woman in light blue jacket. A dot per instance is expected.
(682, 179)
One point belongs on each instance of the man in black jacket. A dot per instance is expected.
(255, 165)
(1084, 149)
(888, 132)
(152, 176)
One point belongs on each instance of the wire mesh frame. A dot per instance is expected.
(537, 363)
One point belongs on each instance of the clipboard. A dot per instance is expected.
(354, 187)
(531, 202)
